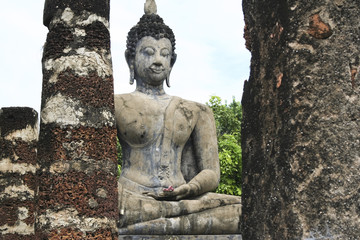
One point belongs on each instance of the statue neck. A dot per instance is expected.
(149, 89)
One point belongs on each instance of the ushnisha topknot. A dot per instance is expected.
(150, 7)
(150, 25)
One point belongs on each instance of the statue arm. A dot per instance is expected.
(206, 155)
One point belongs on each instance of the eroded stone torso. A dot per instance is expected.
(153, 132)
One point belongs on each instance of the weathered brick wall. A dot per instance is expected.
(301, 144)
(18, 140)
(77, 146)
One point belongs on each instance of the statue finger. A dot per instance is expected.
(167, 194)
(182, 196)
(150, 194)
(183, 189)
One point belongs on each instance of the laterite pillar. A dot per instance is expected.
(77, 196)
(18, 139)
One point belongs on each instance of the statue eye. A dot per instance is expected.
(165, 52)
(149, 51)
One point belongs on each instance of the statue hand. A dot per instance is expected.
(166, 194)
(178, 193)
(150, 194)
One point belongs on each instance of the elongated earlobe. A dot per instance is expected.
(130, 62)
(168, 80)
(132, 74)
(173, 60)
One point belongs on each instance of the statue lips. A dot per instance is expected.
(157, 69)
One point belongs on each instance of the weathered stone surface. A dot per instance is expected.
(218, 220)
(181, 237)
(150, 7)
(207, 214)
(18, 140)
(78, 194)
(301, 121)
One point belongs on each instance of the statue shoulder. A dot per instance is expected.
(118, 101)
(119, 98)
(196, 106)
(127, 99)
(122, 97)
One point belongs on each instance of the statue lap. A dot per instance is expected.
(210, 213)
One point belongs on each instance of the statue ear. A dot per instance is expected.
(173, 60)
(129, 59)
(131, 63)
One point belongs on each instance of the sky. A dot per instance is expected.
(211, 54)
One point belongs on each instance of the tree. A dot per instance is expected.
(228, 127)
(227, 117)
(230, 165)
(301, 128)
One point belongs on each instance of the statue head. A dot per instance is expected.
(150, 26)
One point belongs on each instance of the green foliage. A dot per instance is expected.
(230, 165)
(228, 128)
(119, 155)
(227, 117)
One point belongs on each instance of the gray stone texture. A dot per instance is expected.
(18, 141)
(180, 237)
(208, 214)
(301, 133)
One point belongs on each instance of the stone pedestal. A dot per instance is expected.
(18, 140)
(77, 146)
(180, 237)
(301, 144)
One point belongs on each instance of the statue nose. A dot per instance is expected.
(158, 59)
(157, 63)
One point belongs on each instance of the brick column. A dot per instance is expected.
(18, 139)
(77, 146)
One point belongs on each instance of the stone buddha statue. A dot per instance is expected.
(170, 156)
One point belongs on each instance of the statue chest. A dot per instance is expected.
(145, 123)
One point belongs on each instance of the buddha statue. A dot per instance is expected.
(170, 155)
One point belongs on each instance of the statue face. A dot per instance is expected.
(152, 60)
